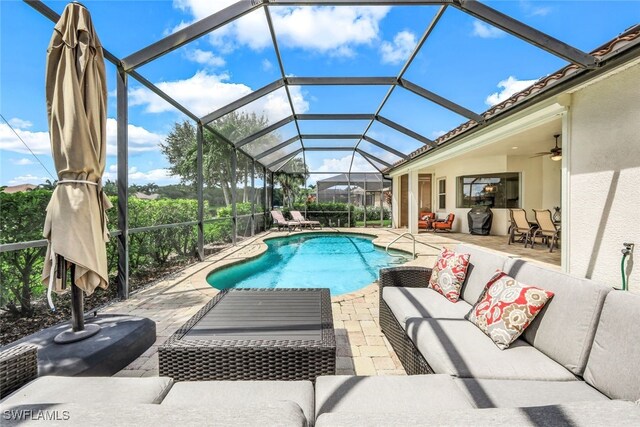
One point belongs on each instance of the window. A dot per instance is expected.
(442, 194)
(500, 190)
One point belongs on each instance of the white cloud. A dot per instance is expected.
(28, 179)
(22, 162)
(508, 87)
(437, 134)
(205, 58)
(531, 10)
(399, 50)
(158, 176)
(332, 30)
(140, 139)
(19, 123)
(486, 31)
(266, 65)
(38, 142)
(342, 165)
(204, 93)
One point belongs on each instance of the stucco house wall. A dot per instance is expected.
(604, 177)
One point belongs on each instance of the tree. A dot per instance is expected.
(48, 184)
(150, 188)
(292, 182)
(180, 148)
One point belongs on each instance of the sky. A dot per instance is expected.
(464, 60)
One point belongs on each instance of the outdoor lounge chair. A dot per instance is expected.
(444, 225)
(425, 220)
(546, 228)
(297, 216)
(520, 225)
(280, 222)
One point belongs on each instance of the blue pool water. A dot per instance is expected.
(341, 262)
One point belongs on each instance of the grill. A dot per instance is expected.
(480, 219)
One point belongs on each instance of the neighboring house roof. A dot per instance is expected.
(145, 196)
(611, 49)
(19, 188)
(372, 181)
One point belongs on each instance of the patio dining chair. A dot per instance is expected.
(280, 222)
(297, 216)
(546, 228)
(520, 225)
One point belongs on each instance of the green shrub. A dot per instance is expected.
(22, 215)
(373, 213)
(329, 214)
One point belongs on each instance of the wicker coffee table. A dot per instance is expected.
(255, 334)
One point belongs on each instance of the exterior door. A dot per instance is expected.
(424, 193)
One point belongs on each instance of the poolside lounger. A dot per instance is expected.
(280, 222)
(297, 216)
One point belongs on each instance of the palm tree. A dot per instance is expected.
(292, 182)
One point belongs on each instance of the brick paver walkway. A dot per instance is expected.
(361, 346)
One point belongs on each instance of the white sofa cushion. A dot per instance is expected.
(241, 394)
(344, 393)
(565, 327)
(482, 266)
(52, 389)
(459, 348)
(614, 362)
(282, 414)
(610, 413)
(485, 393)
(422, 302)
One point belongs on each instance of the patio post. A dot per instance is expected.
(253, 198)
(264, 198)
(271, 192)
(413, 202)
(234, 213)
(349, 199)
(123, 182)
(364, 205)
(200, 188)
(381, 201)
(395, 202)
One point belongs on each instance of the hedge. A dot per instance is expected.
(23, 216)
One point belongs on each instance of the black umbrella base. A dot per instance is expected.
(119, 340)
(69, 336)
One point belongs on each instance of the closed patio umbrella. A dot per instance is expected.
(76, 224)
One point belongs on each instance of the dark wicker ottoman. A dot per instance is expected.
(255, 334)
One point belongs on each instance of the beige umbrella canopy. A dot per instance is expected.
(76, 92)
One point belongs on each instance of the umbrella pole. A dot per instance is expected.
(77, 304)
(78, 331)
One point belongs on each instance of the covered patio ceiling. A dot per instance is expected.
(284, 139)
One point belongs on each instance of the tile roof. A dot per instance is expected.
(604, 52)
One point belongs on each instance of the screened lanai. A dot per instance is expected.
(351, 118)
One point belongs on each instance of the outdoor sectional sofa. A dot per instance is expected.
(578, 363)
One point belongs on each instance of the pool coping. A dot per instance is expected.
(260, 240)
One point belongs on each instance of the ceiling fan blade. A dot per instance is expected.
(540, 155)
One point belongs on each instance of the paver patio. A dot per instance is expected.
(362, 348)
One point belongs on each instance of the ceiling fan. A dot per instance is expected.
(555, 152)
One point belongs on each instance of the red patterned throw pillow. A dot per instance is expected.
(449, 273)
(506, 308)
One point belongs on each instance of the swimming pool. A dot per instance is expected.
(341, 262)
